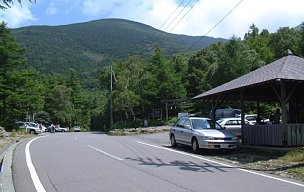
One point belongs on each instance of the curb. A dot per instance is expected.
(6, 180)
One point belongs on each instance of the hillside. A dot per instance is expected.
(299, 27)
(89, 46)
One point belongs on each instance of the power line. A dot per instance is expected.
(219, 22)
(171, 14)
(184, 15)
(175, 17)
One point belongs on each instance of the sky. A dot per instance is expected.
(193, 17)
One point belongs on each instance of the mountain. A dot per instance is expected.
(299, 27)
(87, 47)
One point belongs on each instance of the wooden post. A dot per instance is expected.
(242, 115)
(167, 111)
(284, 112)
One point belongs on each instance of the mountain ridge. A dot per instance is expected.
(89, 46)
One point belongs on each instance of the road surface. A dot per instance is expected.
(78, 162)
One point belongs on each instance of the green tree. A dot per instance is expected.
(202, 67)
(284, 39)
(167, 82)
(260, 43)
(59, 105)
(98, 106)
(11, 58)
(4, 4)
(301, 44)
(131, 86)
(80, 112)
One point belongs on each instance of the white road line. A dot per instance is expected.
(198, 157)
(105, 153)
(37, 183)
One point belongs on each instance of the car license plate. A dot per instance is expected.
(224, 146)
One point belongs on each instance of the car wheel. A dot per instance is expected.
(173, 141)
(195, 146)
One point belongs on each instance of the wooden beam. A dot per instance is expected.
(242, 115)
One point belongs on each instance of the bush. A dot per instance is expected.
(172, 121)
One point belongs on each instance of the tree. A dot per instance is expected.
(11, 57)
(168, 84)
(284, 39)
(131, 86)
(79, 100)
(59, 105)
(202, 67)
(260, 43)
(4, 4)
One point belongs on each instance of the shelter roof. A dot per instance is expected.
(290, 68)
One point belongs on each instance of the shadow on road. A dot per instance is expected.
(182, 165)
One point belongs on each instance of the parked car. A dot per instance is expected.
(21, 124)
(60, 129)
(252, 118)
(33, 128)
(200, 132)
(226, 113)
(76, 129)
(233, 125)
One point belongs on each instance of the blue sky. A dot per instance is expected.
(266, 14)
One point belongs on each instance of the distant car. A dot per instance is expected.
(21, 125)
(76, 129)
(252, 118)
(200, 132)
(60, 129)
(226, 113)
(233, 125)
(33, 128)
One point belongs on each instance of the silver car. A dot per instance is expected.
(233, 125)
(199, 132)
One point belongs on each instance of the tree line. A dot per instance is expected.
(139, 85)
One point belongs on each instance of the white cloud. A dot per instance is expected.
(100, 8)
(61, 6)
(17, 15)
(52, 9)
(270, 14)
(266, 14)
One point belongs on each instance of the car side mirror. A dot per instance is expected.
(187, 126)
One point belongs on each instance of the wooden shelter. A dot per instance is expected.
(281, 81)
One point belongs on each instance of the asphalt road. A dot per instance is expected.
(85, 162)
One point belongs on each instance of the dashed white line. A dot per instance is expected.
(105, 153)
(198, 157)
(37, 183)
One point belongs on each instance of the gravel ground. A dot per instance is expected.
(265, 161)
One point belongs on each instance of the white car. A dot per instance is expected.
(60, 129)
(233, 125)
(253, 119)
(199, 132)
(32, 128)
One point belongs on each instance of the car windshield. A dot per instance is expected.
(204, 124)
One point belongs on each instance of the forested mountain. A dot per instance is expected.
(87, 47)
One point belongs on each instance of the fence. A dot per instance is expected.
(295, 136)
(273, 135)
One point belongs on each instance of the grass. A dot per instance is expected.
(295, 155)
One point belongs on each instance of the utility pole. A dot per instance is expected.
(111, 105)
